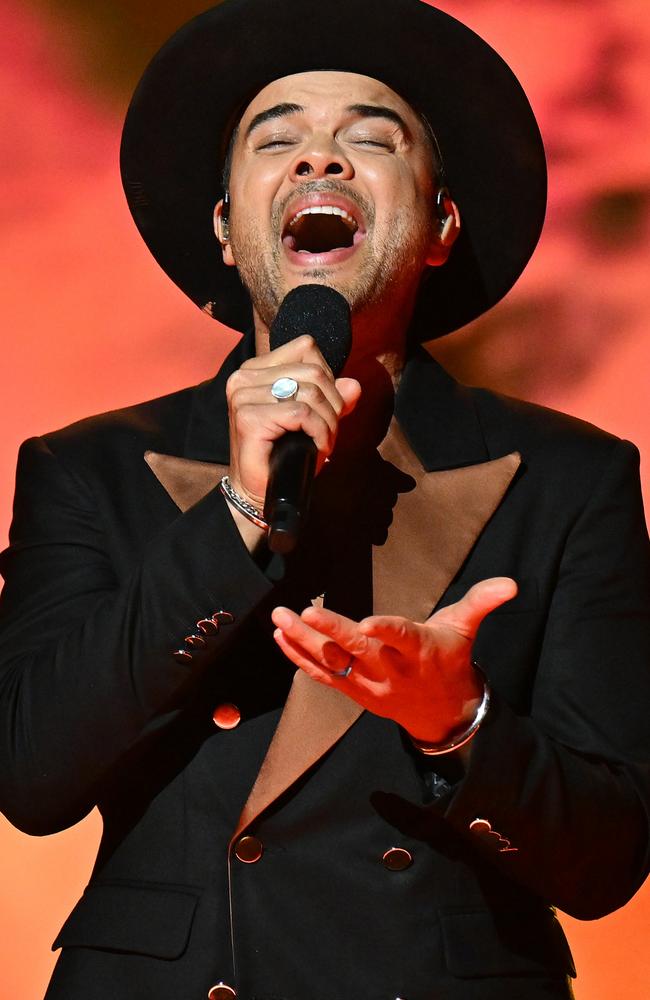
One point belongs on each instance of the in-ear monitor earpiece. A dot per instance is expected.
(225, 217)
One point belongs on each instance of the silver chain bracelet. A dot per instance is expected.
(242, 505)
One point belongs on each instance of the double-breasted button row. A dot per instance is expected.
(196, 641)
(249, 849)
(223, 992)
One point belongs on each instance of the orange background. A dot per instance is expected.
(91, 324)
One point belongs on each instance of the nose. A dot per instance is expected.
(323, 158)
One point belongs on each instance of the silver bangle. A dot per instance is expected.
(243, 506)
(437, 749)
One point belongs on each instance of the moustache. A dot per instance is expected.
(324, 187)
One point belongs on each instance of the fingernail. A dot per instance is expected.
(281, 618)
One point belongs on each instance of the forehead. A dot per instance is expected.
(329, 90)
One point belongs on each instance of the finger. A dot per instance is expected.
(350, 391)
(303, 349)
(399, 633)
(343, 631)
(304, 374)
(312, 395)
(467, 614)
(298, 656)
(364, 691)
(268, 423)
(323, 650)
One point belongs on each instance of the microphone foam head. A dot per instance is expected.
(321, 312)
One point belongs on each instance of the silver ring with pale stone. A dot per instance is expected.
(284, 388)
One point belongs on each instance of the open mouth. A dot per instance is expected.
(320, 229)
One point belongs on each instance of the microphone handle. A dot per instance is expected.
(291, 475)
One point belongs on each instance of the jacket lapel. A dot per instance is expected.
(186, 480)
(436, 522)
(314, 718)
(435, 526)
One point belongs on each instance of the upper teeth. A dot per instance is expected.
(324, 210)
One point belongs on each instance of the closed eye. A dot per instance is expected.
(372, 138)
(275, 144)
(372, 142)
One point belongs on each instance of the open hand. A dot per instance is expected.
(418, 675)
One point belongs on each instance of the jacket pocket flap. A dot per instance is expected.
(140, 919)
(480, 943)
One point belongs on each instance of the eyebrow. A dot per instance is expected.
(277, 111)
(362, 110)
(379, 111)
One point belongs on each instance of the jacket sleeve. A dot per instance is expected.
(565, 789)
(86, 661)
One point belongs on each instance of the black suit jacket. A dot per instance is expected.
(105, 577)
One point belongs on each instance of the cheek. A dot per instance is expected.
(400, 214)
(396, 190)
(249, 219)
(417, 188)
(258, 187)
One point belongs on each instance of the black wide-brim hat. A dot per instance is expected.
(196, 87)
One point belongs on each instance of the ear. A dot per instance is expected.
(446, 233)
(221, 230)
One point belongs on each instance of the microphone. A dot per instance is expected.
(325, 315)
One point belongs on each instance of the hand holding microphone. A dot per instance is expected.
(276, 445)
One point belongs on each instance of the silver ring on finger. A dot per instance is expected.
(347, 670)
(284, 388)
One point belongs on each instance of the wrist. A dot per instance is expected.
(249, 520)
(469, 723)
(238, 487)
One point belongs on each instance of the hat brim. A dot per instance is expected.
(191, 93)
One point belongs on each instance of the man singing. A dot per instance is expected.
(370, 768)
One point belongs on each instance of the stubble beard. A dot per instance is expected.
(383, 262)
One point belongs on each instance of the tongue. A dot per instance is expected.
(291, 243)
(319, 234)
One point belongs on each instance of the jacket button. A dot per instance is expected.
(397, 859)
(226, 716)
(182, 656)
(249, 849)
(195, 642)
(221, 992)
(207, 626)
(223, 618)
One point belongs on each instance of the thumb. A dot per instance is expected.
(350, 390)
(467, 614)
